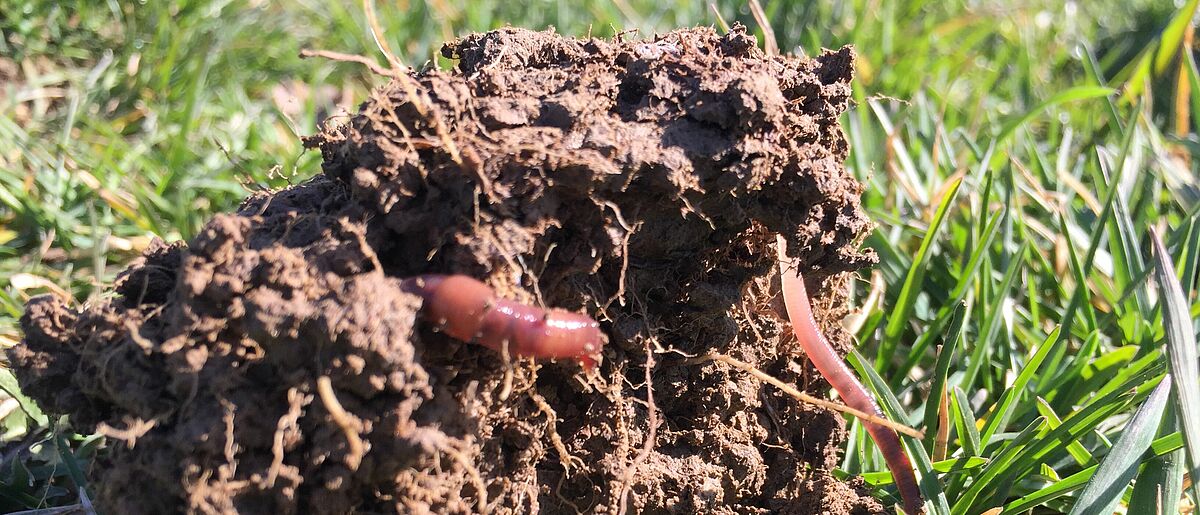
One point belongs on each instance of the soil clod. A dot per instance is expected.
(275, 363)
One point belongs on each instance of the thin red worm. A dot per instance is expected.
(853, 393)
(468, 310)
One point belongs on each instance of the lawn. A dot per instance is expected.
(1019, 160)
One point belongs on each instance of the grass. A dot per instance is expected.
(1015, 158)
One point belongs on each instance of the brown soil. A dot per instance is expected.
(640, 182)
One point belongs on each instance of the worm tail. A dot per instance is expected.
(834, 369)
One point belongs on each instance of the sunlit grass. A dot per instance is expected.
(1015, 158)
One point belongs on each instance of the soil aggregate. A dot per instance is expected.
(272, 364)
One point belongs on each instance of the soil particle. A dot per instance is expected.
(274, 364)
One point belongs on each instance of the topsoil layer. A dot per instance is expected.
(273, 364)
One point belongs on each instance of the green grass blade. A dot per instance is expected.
(901, 314)
(931, 487)
(1077, 300)
(1089, 374)
(941, 371)
(964, 423)
(993, 320)
(1193, 77)
(1128, 375)
(961, 289)
(1069, 95)
(1065, 486)
(1004, 408)
(1190, 253)
(1159, 486)
(1124, 245)
(951, 466)
(1158, 448)
(68, 459)
(1077, 450)
(8, 383)
(1037, 451)
(1172, 37)
(1169, 443)
(1118, 469)
(1181, 354)
(986, 479)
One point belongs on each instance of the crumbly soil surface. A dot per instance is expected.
(274, 365)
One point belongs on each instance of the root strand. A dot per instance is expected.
(648, 443)
(806, 398)
(347, 422)
(348, 58)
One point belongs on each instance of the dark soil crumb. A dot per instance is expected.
(273, 364)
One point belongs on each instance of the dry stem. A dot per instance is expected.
(804, 397)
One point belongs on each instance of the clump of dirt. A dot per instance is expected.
(274, 363)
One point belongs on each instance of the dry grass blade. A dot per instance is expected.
(760, 17)
(720, 19)
(941, 443)
(377, 35)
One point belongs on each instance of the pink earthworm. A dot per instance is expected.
(468, 310)
(853, 393)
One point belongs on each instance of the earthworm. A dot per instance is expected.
(468, 310)
(834, 370)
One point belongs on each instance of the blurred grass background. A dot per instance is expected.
(1016, 156)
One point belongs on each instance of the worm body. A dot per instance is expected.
(469, 310)
(854, 394)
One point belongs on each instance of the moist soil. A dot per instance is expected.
(273, 364)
